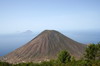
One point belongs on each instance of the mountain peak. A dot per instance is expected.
(44, 47)
(50, 31)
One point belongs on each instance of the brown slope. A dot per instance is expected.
(45, 46)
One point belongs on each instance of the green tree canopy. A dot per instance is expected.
(64, 56)
(91, 51)
(98, 51)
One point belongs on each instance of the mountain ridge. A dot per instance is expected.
(45, 46)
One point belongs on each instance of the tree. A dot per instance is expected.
(64, 56)
(91, 52)
(73, 59)
(98, 51)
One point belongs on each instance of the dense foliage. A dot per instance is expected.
(64, 57)
(91, 58)
(91, 52)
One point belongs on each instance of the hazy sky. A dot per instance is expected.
(36, 15)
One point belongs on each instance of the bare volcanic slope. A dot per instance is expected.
(44, 47)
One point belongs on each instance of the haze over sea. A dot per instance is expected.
(77, 19)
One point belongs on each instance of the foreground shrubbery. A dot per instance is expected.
(54, 63)
(91, 58)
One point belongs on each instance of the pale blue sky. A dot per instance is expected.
(38, 15)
